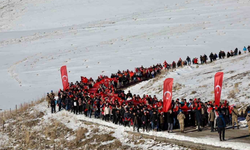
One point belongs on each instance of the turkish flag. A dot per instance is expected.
(167, 94)
(84, 79)
(218, 79)
(64, 76)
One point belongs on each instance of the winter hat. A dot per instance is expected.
(51, 91)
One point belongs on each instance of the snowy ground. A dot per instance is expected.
(99, 37)
(192, 82)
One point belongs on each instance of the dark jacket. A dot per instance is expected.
(126, 116)
(153, 118)
(221, 121)
(144, 118)
(52, 103)
(197, 114)
(170, 117)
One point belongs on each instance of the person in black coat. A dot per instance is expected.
(127, 118)
(129, 94)
(201, 59)
(53, 106)
(221, 127)
(223, 54)
(220, 54)
(188, 60)
(59, 102)
(170, 120)
(114, 110)
(198, 117)
(205, 58)
(236, 51)
(215, 56)
(153, 120)
(144, 120)
(211, 56)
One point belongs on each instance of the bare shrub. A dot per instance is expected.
(95, 130)
(27, 137)
(231, 94)
(46, 132)
(80, 134)
(178, 86)
(236, 85)
(193, 92)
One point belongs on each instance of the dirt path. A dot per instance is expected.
(231, 135)
(237, 135)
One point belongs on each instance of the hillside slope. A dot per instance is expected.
(197, 81)
(99, 37)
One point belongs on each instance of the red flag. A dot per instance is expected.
(84, 79)
(218, 79)
(167, 94)
(64, 76)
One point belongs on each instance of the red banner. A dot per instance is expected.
(84, 79)
(64, 76)
(218, 79)
(167, 94)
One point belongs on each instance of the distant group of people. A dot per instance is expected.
(204, 58)
(105, 99)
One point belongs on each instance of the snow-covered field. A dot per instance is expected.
(94, 37)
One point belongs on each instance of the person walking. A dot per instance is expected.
(245, 49)
(48, 99)
(235, 117)
(181, 118)
(211, 118)
(248, 121)
(221, 127)
(211, 56)
(53, 106)
(59, 102)
(188, 60)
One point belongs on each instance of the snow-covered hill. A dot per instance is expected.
(197, 81)
(94, 37)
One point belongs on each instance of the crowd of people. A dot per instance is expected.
(105, 99)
